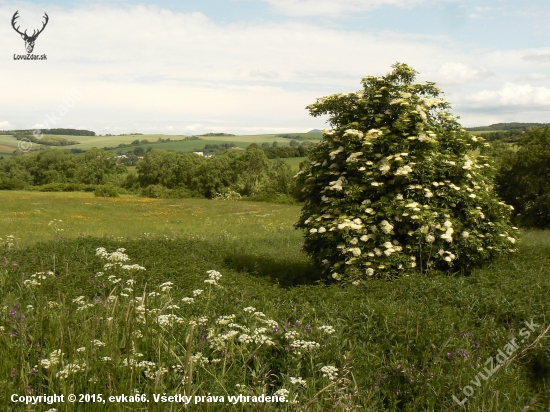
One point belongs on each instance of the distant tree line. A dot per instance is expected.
(159, 174)
(210, 148)
(506, 126)
(285, 151)
(508, 136)
(68, 132)
(54, 166)
(246, 173)
(523, 176)
(47, 140)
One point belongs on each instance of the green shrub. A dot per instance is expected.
(395, 186)
(153, 191)
(278, 198)
(106, 191)
(66, 187)
(159, 191)
(226, 194)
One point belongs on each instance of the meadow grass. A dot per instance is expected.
(294, 162)
(406, 345)
(8, 140)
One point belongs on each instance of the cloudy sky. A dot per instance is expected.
(252, 66)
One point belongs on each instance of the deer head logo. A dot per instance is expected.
(29, 40)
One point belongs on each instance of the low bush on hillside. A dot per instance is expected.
(106, 191)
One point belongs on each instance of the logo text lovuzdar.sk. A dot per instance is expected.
(29, 39)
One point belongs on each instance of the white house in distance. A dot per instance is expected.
(202, 154)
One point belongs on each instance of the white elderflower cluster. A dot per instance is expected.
(353, 133)
(337, 184)
(355, 224)
(403, 171)
(386, 227)
(448, 235)
(354, 157)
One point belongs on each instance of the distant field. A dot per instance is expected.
(190, 145)
(27, 215)
(5, 149)
(294, 162)
(9, 143)
(182, 146)
(482, 132)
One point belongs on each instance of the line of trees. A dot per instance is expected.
(65, 132)
(248, 173)
(51, 166)
(159, 174)
(523, 176)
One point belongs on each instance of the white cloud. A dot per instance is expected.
(533, 78)
(5, 125)
(542, 58)
(266, 75)
(333, 8)
(452, 73)
(511, 94)
(482, 12)
(194, 126)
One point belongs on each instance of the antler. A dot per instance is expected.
(43, 25)
(15, 16)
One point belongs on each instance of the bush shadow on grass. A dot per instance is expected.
(160, 255)
(285, 272)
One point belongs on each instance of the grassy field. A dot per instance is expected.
(294, 162)
(262, 323)
(7, 144)
(182, 146)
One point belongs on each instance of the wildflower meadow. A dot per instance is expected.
(211, 305)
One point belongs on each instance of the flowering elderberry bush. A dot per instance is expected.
(396, 185)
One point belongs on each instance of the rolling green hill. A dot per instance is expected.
(505, 126)
(8, 143)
